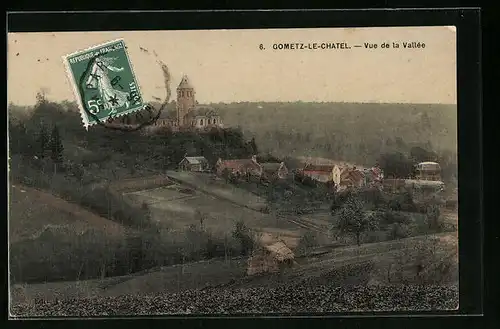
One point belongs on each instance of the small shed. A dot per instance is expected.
(270, 258)
(198, 163)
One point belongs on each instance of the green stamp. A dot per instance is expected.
(103, 82)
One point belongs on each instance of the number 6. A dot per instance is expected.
(93, 104)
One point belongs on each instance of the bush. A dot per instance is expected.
(307, 242)
(244, 236)
(340, 198)
(374, 237)
(434, 219)
(402, 202)
(426, 262)
(391, 217)
(398, 231)
(372, 196)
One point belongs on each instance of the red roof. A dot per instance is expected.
(238, 163)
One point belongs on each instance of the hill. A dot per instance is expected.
(33, 211)
(345, 131)
(54, 239)
(354, 132)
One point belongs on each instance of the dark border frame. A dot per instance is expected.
(469, 112)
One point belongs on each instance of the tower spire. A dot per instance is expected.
(185, 99)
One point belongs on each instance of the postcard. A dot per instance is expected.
(233, 172)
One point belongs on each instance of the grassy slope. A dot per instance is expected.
(32, 211)
(47, 233)
(338, 266)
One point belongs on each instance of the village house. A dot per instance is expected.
(351, 178)
(243, 167)
(428, 171)
(239, 167)
(320, 173)
(270, 258)
(323, 173)
(197, 163)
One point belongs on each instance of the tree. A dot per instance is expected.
(253, 146)
(339, 200)
(43, 141)
(56, 146)
(200, 217)
(199, 241)
(20, 140)
(419, 154)
(398, 231)
(396, 165)
(226, 174)
(40, 97)
(307, 242)
(243, 234)
(354, 220)
(400, 143)
(434, 217)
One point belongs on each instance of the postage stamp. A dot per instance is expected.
(103, 82)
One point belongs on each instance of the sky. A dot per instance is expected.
(229, 66)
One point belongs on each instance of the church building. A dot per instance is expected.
(188, 113)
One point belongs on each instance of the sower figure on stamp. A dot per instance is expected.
(99, 79)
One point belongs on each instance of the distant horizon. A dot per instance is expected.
(255, 102)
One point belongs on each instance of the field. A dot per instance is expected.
(178, 205)
(217, 187)
(178, 289)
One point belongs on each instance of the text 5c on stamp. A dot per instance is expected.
(103, 82)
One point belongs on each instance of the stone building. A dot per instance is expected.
(202, 118)
(186, 113)
(197, 163)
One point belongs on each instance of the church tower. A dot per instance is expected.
(185, 99)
